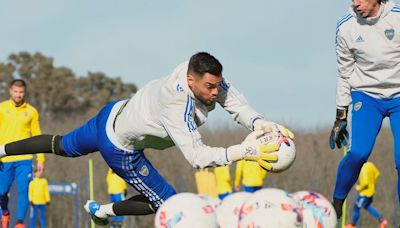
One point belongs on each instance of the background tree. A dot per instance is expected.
(57, 92)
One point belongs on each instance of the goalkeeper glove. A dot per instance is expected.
(339, 134)
(267, 126)
(257, 146)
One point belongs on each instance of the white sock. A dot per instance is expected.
(105, 211)
(2, 151)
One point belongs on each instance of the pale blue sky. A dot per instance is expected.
(280, 54)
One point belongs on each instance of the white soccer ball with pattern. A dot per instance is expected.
(286, 155)
(266, 199)
(318, 212)
(213, 201)
(228, 211)
(185, 210)
(276, 217)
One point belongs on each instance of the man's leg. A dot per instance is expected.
(362, 139)
(6, 177)
(374, 212)
(33, 216)
(395, 126)
(23, 175)
(80, 141)
(137, 171)
(7, 174)
(42, 216)
(356, 214)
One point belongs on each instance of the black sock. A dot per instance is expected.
(338, 205)
(136, 205)
(35, 145)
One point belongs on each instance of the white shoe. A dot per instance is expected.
(91, 207)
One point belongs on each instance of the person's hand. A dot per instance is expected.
(339, 134)
(40, 167)
(267, 126)
(257, 146)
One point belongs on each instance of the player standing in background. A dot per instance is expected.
(18, 120)
(116, 188)
(39, 197)
(253, 176)
(368, 57)
(162, 114)
(223, 181)
(368, 176)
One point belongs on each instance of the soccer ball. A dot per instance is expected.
(213, 201)
(286, 154)
(228, 211)
(185, 210)
(318, 212)
(276, 217)
(266, 199)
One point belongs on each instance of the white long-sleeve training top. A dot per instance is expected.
(165, 112)
(368, 54)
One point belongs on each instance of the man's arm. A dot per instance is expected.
(30, 191)
(345, 63)
(177, 119)
(345, 66)
(46, 192)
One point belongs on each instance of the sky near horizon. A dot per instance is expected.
(281, 55)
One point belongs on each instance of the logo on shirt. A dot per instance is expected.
(389, 33)
(179, 88)
(357, 106)
(359, 39)
(144, 171)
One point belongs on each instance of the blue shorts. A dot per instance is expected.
(251, 188)
(363, 201)
(132, 166)
(223, 195)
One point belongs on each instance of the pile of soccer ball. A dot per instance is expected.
(269, 207)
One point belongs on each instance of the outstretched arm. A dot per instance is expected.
(177, 119)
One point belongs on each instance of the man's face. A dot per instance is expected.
(366, 8)
(204, 88)
(17, 94)
(38, 174)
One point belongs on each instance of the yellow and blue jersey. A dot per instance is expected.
(367, 179)
(251, 172)
(115, 184)
(223, 179)
(18, 123)
(38, 191)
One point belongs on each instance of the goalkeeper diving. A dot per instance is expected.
(164, 113)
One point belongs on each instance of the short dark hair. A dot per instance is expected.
(203, 62)
(18, 83)
(382, 1)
